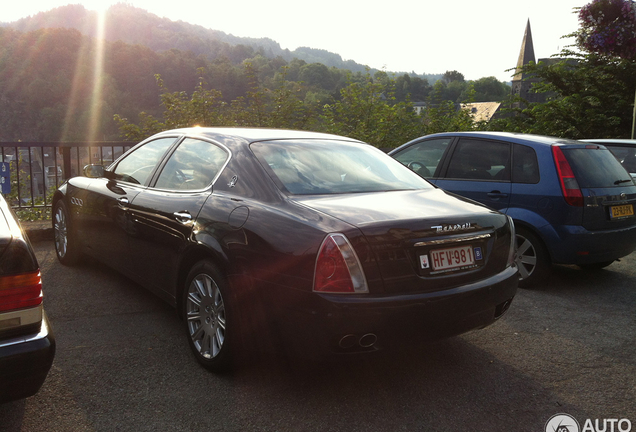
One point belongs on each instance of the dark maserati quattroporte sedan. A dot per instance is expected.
(323, 242)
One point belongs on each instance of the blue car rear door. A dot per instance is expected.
(479, 169)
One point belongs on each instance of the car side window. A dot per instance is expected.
(137, 166)
(194, 165)
(525, 167)
(480, 160)
(424, 157)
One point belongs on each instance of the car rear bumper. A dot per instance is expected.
(25, 362)
(349, 324)
(580, 246)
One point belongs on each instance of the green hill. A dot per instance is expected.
(138, 26)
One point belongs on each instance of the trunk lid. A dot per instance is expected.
(423, 240)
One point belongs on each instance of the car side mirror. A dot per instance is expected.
(94, 171)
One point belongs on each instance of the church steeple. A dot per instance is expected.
(526, 55)
(521, 82)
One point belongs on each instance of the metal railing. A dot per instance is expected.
(38, 168)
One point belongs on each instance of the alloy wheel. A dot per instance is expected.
(525, 257)
(60, 232)
(205, 314)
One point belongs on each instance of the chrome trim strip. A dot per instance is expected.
(451, 240)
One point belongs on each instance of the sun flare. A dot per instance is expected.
(100, 6)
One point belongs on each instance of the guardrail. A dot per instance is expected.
(38, 168)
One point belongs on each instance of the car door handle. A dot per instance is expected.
(123, 201)
(497, 194)
(183, 216)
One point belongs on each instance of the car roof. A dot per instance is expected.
(618, 141)
(509, 136)
(252, 134)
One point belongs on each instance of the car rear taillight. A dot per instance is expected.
(569, 185)
(20, 291)
(338, 269)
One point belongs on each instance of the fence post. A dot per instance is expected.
(66, 162)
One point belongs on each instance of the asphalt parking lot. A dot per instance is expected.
(123, 364)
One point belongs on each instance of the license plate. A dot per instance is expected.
(444, 259)
(621, 211)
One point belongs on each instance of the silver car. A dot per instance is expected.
(623, 149)
(27, 344)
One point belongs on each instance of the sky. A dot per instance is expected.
(477, 38)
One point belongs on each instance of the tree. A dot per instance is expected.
(451, 76)
(589, 91)
(288, 111)
(260, 107)
(608, 28)
(316, 75)
(369, 112)
(446, 117)
(490, 89)
(203, 108)
(588, 98)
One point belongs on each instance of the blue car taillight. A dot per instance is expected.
(569, 186)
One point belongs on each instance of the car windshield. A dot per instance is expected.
(596, 168)
(305, 167)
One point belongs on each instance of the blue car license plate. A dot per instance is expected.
(621, 211)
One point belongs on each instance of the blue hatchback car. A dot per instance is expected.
(572, 202)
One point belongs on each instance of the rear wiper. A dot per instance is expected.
(621, 181)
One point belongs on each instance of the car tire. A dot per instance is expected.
(209, 317)
(532, 258)
(595, 266)
(66, 245)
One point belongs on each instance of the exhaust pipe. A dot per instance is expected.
(502, 308)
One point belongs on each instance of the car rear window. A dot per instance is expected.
(306, 167)
(595, 167)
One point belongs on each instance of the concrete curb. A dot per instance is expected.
(38, 231)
